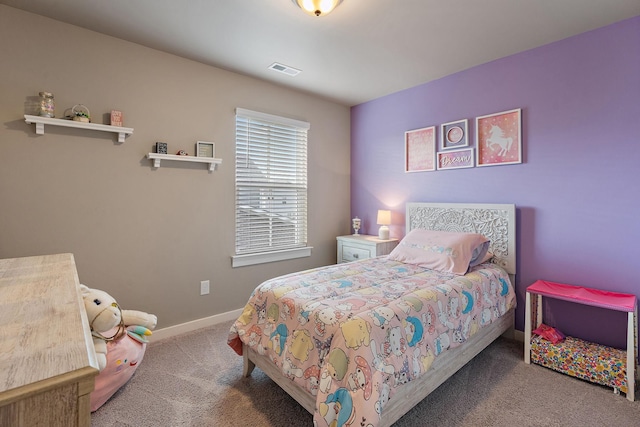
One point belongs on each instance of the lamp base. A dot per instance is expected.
(383, 233)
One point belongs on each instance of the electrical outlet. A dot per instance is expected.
(204, 287)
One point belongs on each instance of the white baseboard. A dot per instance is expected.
(172, 331)
(517, 335)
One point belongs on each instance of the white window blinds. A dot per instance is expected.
(271, 183)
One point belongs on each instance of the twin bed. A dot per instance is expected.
(361, 343)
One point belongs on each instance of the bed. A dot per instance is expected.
(361, 343)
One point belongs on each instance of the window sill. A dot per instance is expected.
(264, 257)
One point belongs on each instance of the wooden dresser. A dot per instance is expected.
(47, 360)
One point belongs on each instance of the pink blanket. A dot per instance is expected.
(351, 334)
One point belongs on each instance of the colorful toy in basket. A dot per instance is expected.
(119, 338)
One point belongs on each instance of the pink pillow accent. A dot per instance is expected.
(549, 333)
(123, 358)
(445, 251)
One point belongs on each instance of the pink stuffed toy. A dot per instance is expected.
(123, 358)
(119, 338)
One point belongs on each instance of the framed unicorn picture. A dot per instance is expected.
(499, 138)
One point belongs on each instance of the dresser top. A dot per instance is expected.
(43, 328)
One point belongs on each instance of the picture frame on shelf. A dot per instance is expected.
(499, 138)
(420, 150)
(205, 149)
(161, 148)
(454, 134)
(456, 159)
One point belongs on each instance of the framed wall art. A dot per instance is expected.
(454, 135)
(161, 147)
(499, 138)
(456, 159)
(205, 149)
(420, 150)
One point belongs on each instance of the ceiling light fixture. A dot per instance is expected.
(317, 7)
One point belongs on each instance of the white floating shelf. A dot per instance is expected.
(213, 162)
(41, 121)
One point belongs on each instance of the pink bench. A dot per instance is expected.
(573, 356)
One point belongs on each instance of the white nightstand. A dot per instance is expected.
(354, 248)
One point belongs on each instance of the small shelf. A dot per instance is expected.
(41, 121)
(213, 162)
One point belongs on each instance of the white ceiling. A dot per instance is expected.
(363, 50)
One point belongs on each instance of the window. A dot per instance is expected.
(271, 188)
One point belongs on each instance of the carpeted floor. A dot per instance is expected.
(196, 380)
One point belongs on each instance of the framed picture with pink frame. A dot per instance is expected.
(499, 138)
(420, 150)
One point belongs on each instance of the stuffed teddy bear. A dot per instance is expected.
(106, 317)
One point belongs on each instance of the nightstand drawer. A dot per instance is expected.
(358, 247)
(354, 253)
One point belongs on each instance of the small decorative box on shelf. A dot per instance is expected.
(582, 359)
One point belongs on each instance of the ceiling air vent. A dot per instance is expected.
(290, 71)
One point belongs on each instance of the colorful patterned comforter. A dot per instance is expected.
(351, 334)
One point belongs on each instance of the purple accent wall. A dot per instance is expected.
(577, 192)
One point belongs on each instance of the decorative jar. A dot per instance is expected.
(356, 222)
(47, 105)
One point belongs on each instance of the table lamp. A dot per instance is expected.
(384, 219)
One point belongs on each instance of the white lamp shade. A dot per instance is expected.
(384, 219)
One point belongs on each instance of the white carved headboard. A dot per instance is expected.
(497, 222)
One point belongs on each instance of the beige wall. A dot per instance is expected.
(146, 236)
